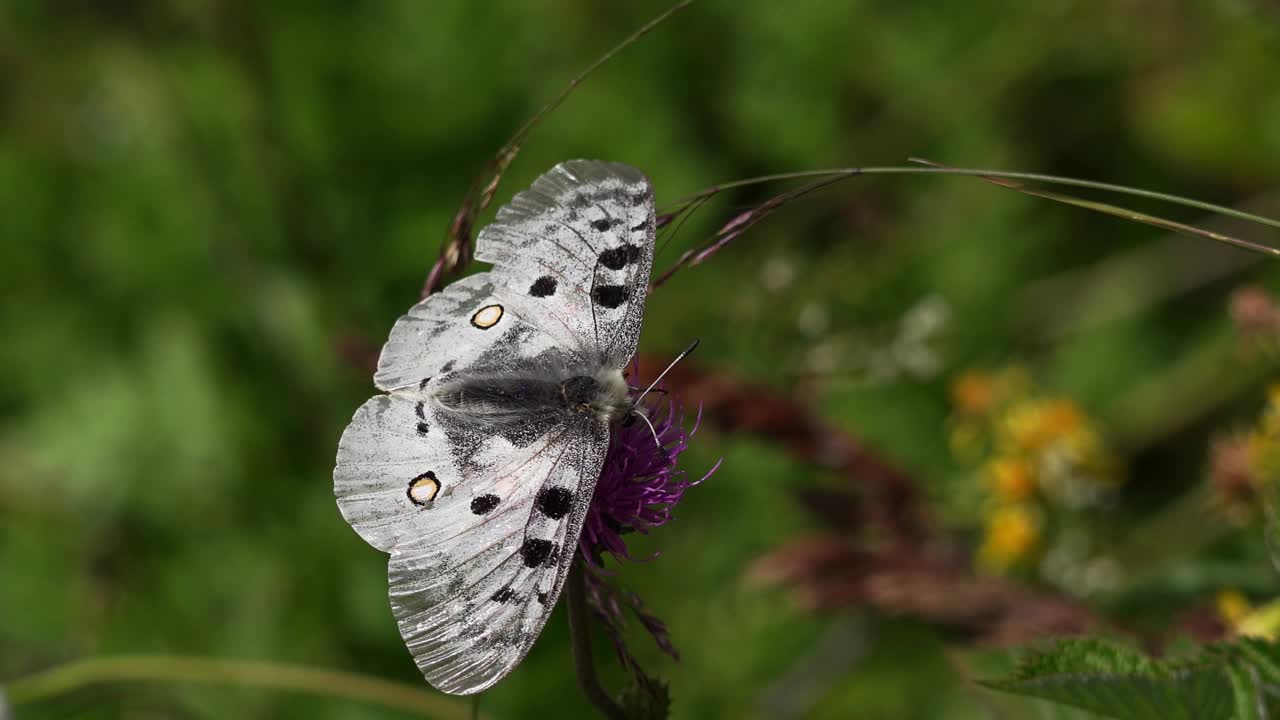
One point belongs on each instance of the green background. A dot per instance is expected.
(211, 212)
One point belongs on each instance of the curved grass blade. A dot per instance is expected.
(1011, 180)
(247, 673)
(455, 254)
(1127, 214)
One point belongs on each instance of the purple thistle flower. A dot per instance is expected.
(639, 487)
(640, 484)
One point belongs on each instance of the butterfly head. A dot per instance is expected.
(633, 412)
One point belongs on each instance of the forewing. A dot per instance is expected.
(572, 257)
(575, 250)
(466, 324)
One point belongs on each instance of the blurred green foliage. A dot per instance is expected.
(211, 211)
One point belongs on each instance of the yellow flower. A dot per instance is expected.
(1261, 461)
(1031, 426)
(1261, 622)
(1012, 534)
(1235, 610)
(1232, 605)
(973, 393)
(1013, 479)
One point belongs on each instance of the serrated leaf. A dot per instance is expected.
(1253, 666)
(1115, 681)
(1259, 654)
(1247, 694)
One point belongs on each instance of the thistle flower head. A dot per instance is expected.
(640, 484)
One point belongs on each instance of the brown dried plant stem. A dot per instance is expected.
(580, 635)
(455, 253)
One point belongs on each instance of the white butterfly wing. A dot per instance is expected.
(572, 257)
(451, 330)
(469, 611)
(576, 250)
(383, 457)
(482, 523)
(480, 530)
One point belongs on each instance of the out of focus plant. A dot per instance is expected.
(1230, 681)
(1245, 466)
(1256, 317)
(1245, 619)
(1237, 678)
(1041, 470)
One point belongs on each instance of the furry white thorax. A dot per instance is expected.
(613, 401)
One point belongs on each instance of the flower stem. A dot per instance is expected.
(276, 676)
(580, 637)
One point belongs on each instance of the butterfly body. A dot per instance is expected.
(476, 469)
(500, 400)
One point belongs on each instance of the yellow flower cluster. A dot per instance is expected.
(1265, 446)
(1246, 467)
(1245, 476)
(1035, 455)
(1244, 619)
(1011, 536)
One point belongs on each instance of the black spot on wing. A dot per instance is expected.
(602, 224)
(422, 419)
(610, 296)
(619, 257)
(555, 502)
(535, 551)
(544, 286)
(542, 598)
(506, 594)
(482, 504)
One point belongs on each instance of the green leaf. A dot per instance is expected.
(1247, 694)
(1116, 681)
(1261, 655)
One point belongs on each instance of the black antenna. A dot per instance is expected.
(663, 374)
